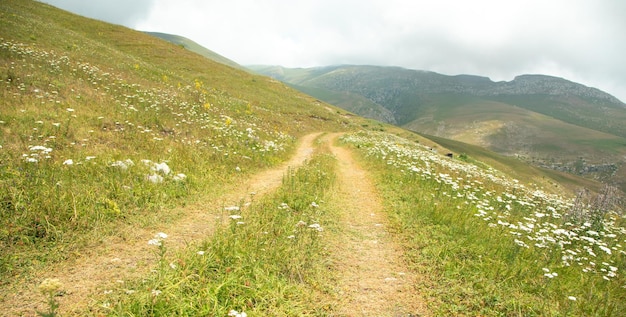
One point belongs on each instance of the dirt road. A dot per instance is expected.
(374, 279)
(127, 258)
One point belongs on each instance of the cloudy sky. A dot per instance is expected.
(580, 40)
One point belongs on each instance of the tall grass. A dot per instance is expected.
(74, 168)
(488, 245)
(267, 259)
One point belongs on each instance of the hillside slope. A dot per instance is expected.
(103, 127)
(547, 121)
(138, 178)
(196, 48)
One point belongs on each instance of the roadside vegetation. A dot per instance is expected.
(103, 128)
(490, 245)
(268, 258)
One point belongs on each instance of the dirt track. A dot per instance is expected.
(373, 280)
(123, 259)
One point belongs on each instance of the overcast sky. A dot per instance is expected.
(580, 40)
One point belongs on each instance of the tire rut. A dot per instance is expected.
(374, 280)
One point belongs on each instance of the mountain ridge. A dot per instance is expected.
(196, 48)
(464, 83)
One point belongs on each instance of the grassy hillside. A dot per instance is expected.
(350, 102)
(196, 48)
(106, 131)
(103, 127)
(490, 245)
(553, 181)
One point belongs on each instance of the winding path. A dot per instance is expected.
(373, 281)
(129, 257)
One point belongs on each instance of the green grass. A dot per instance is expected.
(551, 180)
(575, 112)
(196, 48)
(99, 94)
(266, 259)
(457, 222)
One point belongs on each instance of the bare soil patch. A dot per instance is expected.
(129, 256)
(374, 280)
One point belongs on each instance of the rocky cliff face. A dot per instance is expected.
(379, 83)
(548, 85)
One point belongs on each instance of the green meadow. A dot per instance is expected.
(106, 132)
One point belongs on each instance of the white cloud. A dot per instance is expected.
(124, 12)
(581, 40)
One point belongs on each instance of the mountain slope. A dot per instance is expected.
(545, 120)
(196, 48)
(104, 128)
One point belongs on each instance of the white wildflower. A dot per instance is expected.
(122, 164)
(235, 313)
(235, 217)
(572, 298)
(155, 242)
(605, 249)
(154, 178)
(232, 208)
(161, 167)
(160, 236)
(549, 274)
(40, 148)
(317, 227)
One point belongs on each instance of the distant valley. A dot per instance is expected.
(547, 121)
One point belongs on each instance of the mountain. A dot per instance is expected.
(196, 48)
(548, 121)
